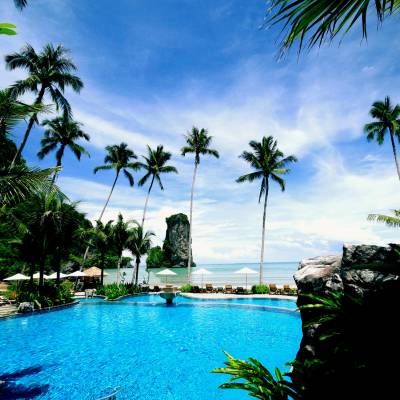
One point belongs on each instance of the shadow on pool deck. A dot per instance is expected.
(9, 390)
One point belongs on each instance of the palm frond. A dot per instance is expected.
(388, 220)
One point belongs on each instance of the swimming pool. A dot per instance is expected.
(151, 351)
(267, 302)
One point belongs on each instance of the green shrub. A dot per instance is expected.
(112, 291)
(260, 289)
(186, 288)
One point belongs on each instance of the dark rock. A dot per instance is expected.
(174, 253)
(25, 307)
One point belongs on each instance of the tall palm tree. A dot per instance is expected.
(119, 159)
(50, 72)
(324, 20)
(389, 220)
(388, 121)
(120, 234)
(154, 167)
(101, 239)
(269, 163)
(62, 132)
(197, 142)
(21, 3)
(139, 244)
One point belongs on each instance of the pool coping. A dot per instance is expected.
(41, 311)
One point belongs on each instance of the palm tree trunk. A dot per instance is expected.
(147, 200)
(190, 225)
(28, 129)
(137, 270)
(101, 215)
(102, 269)
(109, 196)
(263, 233)
(57, 166)
(119, 268)
(395, 154)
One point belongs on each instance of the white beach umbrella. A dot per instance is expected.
(76, 274)
(37, 276)
(166, 272)
(17, 277)
(202, 272)
(54, 275)
(246, 271)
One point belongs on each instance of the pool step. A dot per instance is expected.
(7, 310)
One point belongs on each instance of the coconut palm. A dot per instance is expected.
(154, 167)
(119, 159)
(388, 121)
(101, 238)
(139, 244)
(62, 132)
(269, 163)
(120, 234)
(50, 72)
(322, 21)
(20, 182)
(197, 142)
(13, 111)
(389, 220)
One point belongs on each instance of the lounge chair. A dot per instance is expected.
(220, 289)
(228, 289)
(196, 289)
(4, 301)
(209, 288)
(273, 289)
(156, 288)
(240, 290)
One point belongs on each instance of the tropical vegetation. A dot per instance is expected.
(268, 163)
(155, 165)
(198, 142)
(388, 122)
(314, 22)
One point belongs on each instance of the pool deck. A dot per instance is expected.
(226, 296)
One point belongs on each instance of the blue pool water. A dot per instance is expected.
(152, 351)
(268, 302)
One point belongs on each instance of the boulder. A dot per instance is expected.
(25, 307)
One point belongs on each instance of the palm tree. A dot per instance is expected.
(21, 3)
(119, 159)
(20, 182)
(388, 120)
(50, 72)
(389, 220)
(120, 235)
(139, 243)
(154, 167)
(269, 163)
(63, 132)
(198, 142)
(324, 20)
(13, 111)
(101, 239)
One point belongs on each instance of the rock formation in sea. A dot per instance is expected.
(174, 253)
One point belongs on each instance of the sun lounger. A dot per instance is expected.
(220, 289)
(228, 289)
(240, 290)
(196, 289)
(156, 288)
(209, 288)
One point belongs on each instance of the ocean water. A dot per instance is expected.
(151, 351)
(221, 274)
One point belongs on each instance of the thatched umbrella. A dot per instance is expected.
(93, 272)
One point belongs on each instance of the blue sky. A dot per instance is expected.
(152, 69)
